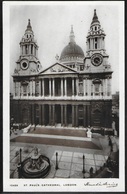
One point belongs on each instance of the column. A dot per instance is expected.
(65, 86)
(77, 87)
(39, 87)
(53, 87)
(110, 86)
(43, 115)
(76, 116)
(18, 89)
(33, 113)
(88, 114)
(43, 87)
(53, 114)
(49, 86)
(84, 115)
(33, 87)
(106, 87)
(72, 86)
(40, 116)
(61, 86)
(84, 88)
(61, 115)
(88, 87)
(14, 88)
(30, 88)
(73, 116)
(50, 119)
(65, 115)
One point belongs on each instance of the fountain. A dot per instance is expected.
(36, 166)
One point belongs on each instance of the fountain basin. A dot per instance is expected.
(35, 167)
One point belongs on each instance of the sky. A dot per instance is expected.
(51, 23)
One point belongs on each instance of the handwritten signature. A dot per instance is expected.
(101, 184)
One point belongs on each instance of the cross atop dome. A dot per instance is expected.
(72, 36)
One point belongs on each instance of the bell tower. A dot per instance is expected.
(28, 62)
(96, 57)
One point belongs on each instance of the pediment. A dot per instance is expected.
(58, 68)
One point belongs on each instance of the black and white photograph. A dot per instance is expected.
(63, 96)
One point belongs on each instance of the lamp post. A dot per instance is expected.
(83, 164)
(56, 161)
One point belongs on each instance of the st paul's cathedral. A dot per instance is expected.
(75, 91)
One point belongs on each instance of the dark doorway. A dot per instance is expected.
(25, 116)
(96, 118)
(80, 115)
(58, 114)
(69, 114)
(46, 114)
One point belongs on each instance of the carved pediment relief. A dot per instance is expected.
(57, 68)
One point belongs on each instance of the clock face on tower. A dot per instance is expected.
(24, 64)
(96, 59)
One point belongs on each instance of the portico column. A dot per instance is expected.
(84, 115)
(76, 115)
(65, 86)
(43, 89)
(88, 114)
(77, 87)
(73, 116)
(61, 86)
(40, 114)
(53, 85)
(30, 88)
(43, 115)
(72, 86)
(88, 83)
(53, 114)
(33, 114)
(49, 86)
(19, 89)
(61, 115)
(65, 115)
(84, 88)
(14, 87)
(39, 87)
(33, 87)
(106, 87)
(109, 86)
(50, 114)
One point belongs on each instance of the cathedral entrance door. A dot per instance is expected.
(69, 114)
(58, 114)
(25, 116)
(96, 118)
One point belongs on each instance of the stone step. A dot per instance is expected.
(59, 132)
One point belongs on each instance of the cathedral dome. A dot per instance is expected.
(72, 50)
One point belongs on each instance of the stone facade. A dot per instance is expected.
(75, 91)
